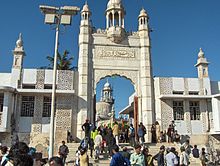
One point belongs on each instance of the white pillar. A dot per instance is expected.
(107, 20)
(119, 21)
(123, 23)
(113, 19)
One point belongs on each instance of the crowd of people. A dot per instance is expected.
(105, 140)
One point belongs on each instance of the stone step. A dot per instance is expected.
(153, 148)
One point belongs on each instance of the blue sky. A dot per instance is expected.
(180, 28)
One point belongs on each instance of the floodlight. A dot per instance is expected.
(70, 10)
(48, 9)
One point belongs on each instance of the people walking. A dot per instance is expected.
(84, 158)
(187, 147)
(148, 157)
(117, 158)
(195, 152)
(184, 157)
(157, 131)
(160, 156)
(171, 158)
(153, 134)
(63, 152)
(115, 130)
(170, 132)
(137, 158)
(110, 141)
(86, 128)
(98, 144)
(141, 134)
(131, 134)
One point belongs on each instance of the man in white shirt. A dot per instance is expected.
(97, 142)
(184, 157)
(171, 158)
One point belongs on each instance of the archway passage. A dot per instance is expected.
(112, 94)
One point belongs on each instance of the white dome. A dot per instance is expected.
(85, 8)
(113, 2)
(107, 85)
(143, 13)
(19, 42)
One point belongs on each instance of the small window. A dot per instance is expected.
(28, 86)
(193, 93)
(178, 92)
(47, 107)
(203, 72)
(27, 106)
(48, 86)
(1, 102)
(178, 111)
(194, 110)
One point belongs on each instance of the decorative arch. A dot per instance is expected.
(130, 75)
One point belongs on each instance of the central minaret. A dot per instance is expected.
(85, 86)
(115, 21)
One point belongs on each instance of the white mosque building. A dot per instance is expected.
(25, 94)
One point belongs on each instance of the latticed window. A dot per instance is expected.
(178, 111)
(27, 106)
(47, 106)
(194, 110)
(1, 102)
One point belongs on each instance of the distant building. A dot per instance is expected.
(193, 103)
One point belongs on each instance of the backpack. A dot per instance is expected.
(131, 131)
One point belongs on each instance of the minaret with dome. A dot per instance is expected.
(105, 106)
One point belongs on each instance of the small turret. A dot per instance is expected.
(18, 53)
(85, 15)
(143, 20)
(202, 65)
(107, 94)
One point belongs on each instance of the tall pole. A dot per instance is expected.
(53, 105)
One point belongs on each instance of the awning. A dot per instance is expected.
(127, 109)
(7, 89)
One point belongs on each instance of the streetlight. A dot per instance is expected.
(57, 16)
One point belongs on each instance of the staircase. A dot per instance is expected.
(153, 150)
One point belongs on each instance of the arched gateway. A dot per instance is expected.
(114, 51)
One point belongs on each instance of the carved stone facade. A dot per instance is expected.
(166, 86)
(65, 80)
(115, 53)
(166, 114)
(64, 113)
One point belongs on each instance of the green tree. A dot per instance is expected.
(64, 62)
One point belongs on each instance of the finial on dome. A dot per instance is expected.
(201, 53)
(143, 13)
(19, 42)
